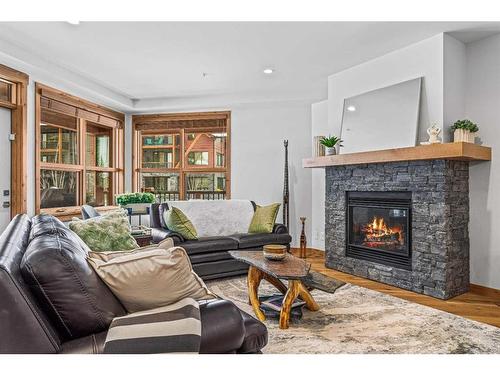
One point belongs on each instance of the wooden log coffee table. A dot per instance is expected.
(291, 268)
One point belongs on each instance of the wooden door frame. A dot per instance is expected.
(19, 146)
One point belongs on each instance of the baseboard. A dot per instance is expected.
(484, 291)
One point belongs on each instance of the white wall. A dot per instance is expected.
(319, 117)
(482, 105)
(257, 157)
(454, 74)
(422, 59)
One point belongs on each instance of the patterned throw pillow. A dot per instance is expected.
(178, 222)
(264, 218)
(110, 232)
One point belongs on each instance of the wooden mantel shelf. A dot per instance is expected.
(449, 151)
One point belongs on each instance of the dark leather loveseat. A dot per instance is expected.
(209, 254)
(52, 301)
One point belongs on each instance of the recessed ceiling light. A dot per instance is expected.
(268, 71)
(73, 22)
(351, 108)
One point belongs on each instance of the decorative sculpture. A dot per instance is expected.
(286, 193)
(303, 239)
(433, 132)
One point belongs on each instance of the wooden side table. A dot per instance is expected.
(291, 268)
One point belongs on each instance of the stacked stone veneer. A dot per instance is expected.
(440, 217)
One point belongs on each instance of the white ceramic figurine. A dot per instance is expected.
(433, 132)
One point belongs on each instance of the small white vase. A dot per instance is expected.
(330, 151)
(462, 135)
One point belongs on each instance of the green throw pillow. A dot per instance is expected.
(110, 232)
(264, 218)
(178, 222)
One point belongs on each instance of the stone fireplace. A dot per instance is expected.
(401, 223)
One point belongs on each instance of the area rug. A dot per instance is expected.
(358, 320)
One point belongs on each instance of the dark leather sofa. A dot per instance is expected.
(209, 255)
(51, 300)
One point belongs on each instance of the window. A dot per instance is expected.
(160, 151)
(79, 153)
(98, 146)
(59, 138)
(221, 183)
(97, 189)
(7, 91)
(220, 159)
(58, 188)
(164, 185)
(198, 158)
(182, 156)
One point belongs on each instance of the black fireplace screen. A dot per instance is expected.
(378, 227)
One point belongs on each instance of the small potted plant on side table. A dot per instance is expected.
(464, 131)
(331, 143)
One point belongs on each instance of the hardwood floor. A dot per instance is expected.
(480, 304)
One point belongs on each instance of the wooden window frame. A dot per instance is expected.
(17, 103)
(161, 124)
(85, 112)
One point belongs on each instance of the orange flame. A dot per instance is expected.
(378, 229)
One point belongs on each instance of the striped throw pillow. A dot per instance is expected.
(174, 328)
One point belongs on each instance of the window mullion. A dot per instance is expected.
(82, 152)
(182, 187)
(59, 145)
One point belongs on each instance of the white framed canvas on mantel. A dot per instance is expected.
(382, 119)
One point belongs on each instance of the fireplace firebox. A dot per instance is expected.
(378, 227)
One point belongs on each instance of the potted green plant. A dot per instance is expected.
(331, 142)
(464, 131)
(137, 202)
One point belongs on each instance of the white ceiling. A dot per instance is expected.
(167, 60)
